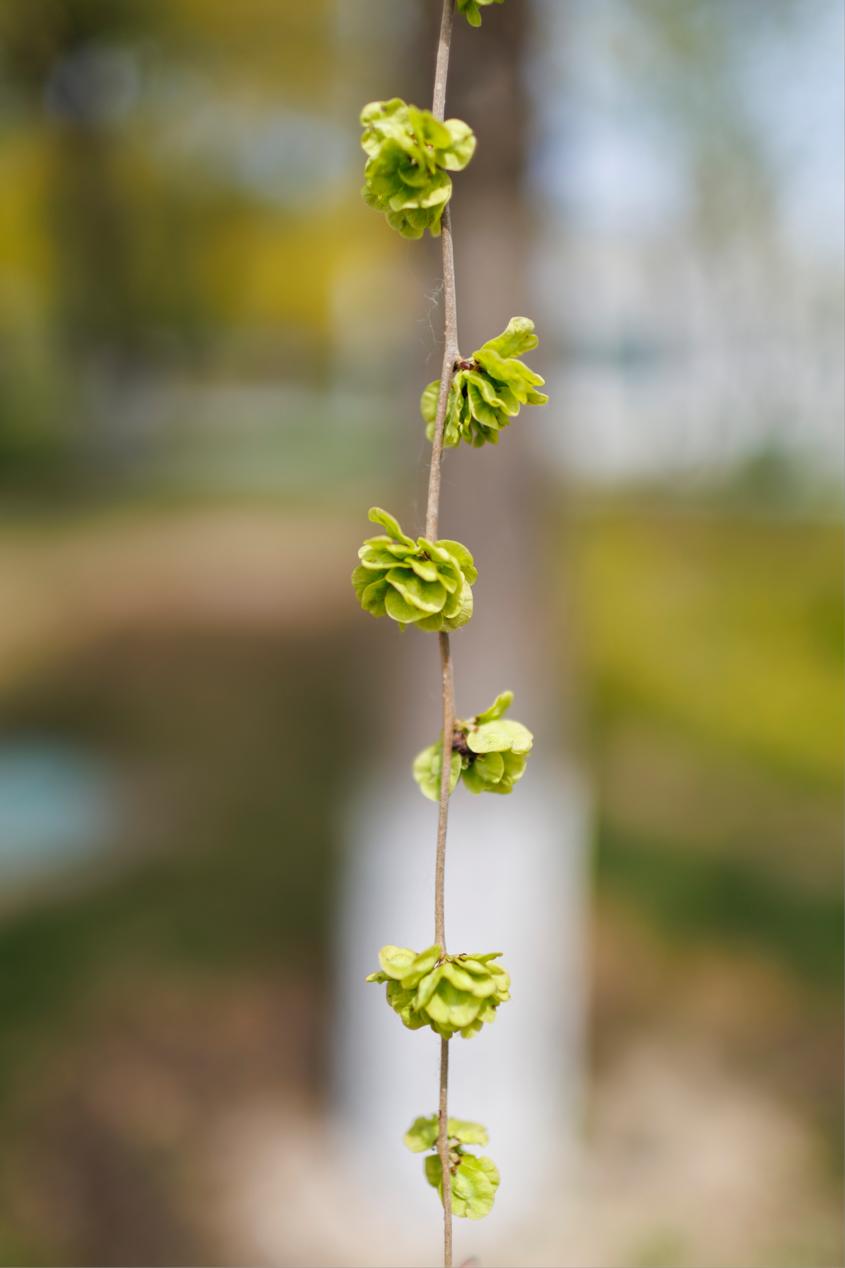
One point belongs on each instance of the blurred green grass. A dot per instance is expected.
(236, 877)
(713, 652)
(221, 900)
(729, 630)
(691, 897)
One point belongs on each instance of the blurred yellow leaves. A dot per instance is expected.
(25, 251)
(728, 630)
(278, 45)
(195, 210)
(266, 268)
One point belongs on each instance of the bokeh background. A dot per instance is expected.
(210, 359)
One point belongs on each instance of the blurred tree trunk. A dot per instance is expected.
(492, 497)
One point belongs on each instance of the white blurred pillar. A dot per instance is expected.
(514, 884)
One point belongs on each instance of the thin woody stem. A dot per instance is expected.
(450, 356)
(440, 933)
(450, 349)
(438, 105)
(443, 1152)
(445, 779)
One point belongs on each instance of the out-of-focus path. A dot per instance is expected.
(687, 1162)
(72, 583)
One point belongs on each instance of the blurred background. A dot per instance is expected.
(211, 355)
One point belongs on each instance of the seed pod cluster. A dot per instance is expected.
(420, 583)
(489, 390)
(450, 993)
(474, 1179)
(410, 154)
(470, 10)
(489, 753)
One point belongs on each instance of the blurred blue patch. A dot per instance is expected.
(293, 159)
(58, 805)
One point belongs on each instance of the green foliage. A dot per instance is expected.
(423, 1133)
(470, 10)
(427, 768)
(717, 729)
(691, 895)
(490, 752)
(733, 633)
(420, 583)
(410, 154)
(488, 391)
(474, 1183)
(474, 1179)
(449, 993)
